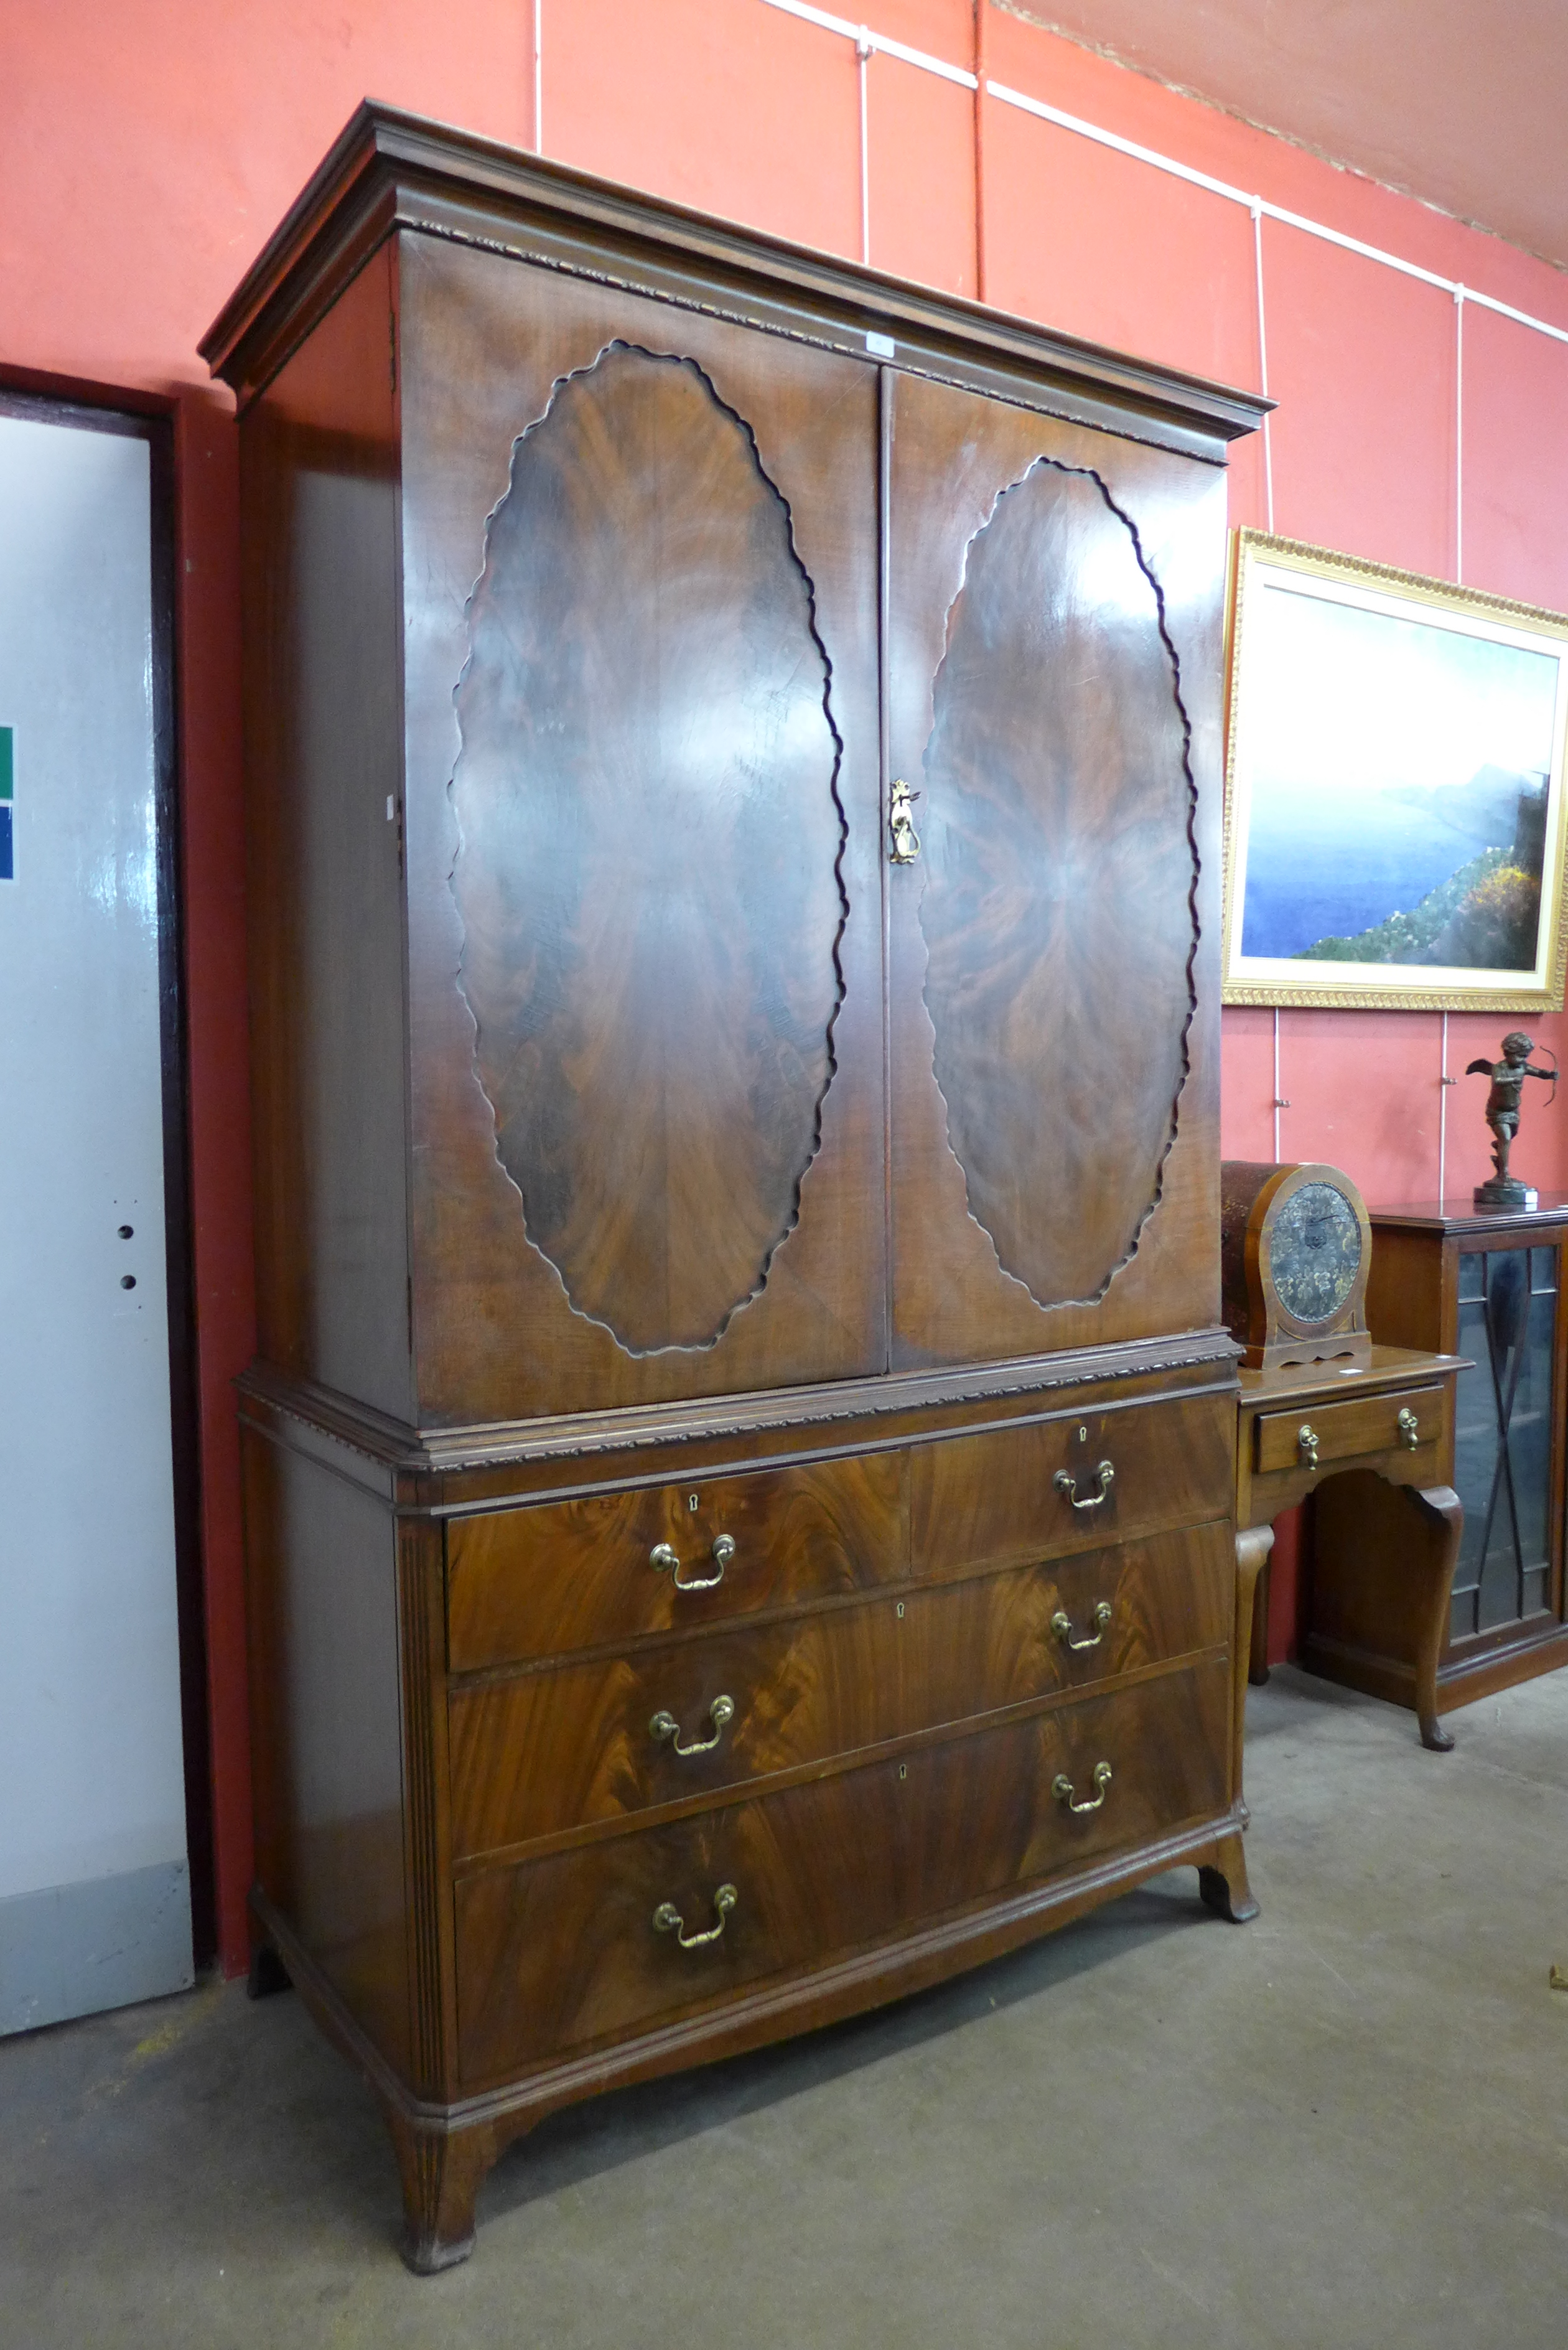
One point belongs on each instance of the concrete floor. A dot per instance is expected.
(1343, 2124)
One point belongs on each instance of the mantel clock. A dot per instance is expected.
(1295, 1251)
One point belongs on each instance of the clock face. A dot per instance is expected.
(1314, 1253)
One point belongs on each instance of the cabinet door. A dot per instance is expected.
(640, 546)
(1054, 607)
(1506, 1422)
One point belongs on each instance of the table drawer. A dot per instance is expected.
(541, 1752)
(994, 1500)
(558, 1953)
(1349, 1430)
(562, 1575)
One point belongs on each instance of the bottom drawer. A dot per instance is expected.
(557, 1953)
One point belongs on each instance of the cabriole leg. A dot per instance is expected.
(1444, 1513)
(1254, 1544)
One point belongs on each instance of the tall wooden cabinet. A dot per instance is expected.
(739, 1469)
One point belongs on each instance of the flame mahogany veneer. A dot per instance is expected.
(739, 1465)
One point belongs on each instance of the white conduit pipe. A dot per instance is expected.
(1459, 299)
(877, 41)
(1271, 212)
(863, 58)
(925, 63)
(1444, 1082)
(1263, 375)
(539, 77)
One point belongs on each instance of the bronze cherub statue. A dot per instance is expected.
(1502, 1190)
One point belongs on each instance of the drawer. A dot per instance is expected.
(559, 1954)
(1349, 1430)
(541, 1752)
(994, 1500)
(562, 1575)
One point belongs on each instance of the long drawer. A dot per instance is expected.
(547, 1750)
(1052, 1487)
(559, 1576)
(556, 1953)
(572, 1575)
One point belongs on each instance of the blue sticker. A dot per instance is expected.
(7, 859)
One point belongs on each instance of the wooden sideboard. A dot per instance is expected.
(740, 1468)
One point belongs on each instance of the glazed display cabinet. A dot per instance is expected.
(1488, 1284)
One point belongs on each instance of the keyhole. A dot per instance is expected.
(900, 1611)
(692, 1502)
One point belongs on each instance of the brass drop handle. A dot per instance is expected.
(665, 1561)
(720, 1713)
(1062, 1788)
(1306, 1444)
(667, 1919)
(1410, 1428)
(1061, 1625)
(906, 840)
(1065, 1482)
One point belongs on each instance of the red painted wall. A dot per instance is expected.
(150, 148)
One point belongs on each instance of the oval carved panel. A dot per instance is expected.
(648, 863)
(1058, 908)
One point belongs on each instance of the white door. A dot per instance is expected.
(94, 1887)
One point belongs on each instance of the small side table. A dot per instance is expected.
(1390, 1420)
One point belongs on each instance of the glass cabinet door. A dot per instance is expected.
(1502, 1465)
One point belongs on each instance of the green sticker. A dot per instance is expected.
(8, 836)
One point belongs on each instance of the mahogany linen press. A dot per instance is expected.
(739, 1467)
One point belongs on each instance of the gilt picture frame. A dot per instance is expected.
(1395, 826)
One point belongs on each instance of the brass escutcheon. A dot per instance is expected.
(666, 1561)
(906, 840)
(1065, 1482)
(720, 1713)
(667, 1919)
(1062, 1788)
(1306, 1444)
(1410, 1428)
(1061, 1625)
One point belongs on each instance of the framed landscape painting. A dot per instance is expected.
(1394, 814)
